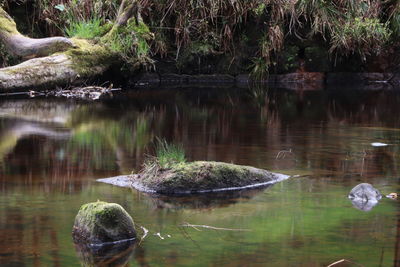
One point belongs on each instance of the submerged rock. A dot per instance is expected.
(102, 222)
(364, 196)
(365, 192)
(198, 177)
(363, 205)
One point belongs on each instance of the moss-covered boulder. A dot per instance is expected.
(102, 222)
(203, 176)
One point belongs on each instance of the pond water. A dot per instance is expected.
(53, 150)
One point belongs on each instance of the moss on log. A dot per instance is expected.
(61, 60)
(83, 61)
(7, 24)
(23, 46)
(90, 59)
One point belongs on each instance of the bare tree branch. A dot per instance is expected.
(127, 10)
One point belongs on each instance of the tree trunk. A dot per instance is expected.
(53, 70)
(60, 61)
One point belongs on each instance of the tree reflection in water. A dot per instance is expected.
(50, 146)
(116, 134)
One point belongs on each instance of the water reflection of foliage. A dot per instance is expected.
(7, 144)
(127, 136)
(226, 126)
(264, 100)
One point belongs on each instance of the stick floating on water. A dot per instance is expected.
(343, 260)
(196, 226)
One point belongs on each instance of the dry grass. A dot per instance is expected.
(359, 27)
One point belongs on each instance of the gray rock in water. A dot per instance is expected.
(364, 196)
(365, 192)
(363, 205)
(102, 222)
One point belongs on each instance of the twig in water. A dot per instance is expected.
(194, 226)
(282, 154)
(145, 232)
(344, 260)
(159, 235)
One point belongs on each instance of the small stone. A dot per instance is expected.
(377, 144)
(392, 196)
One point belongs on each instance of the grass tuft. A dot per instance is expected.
(169, 154)
(88, 29)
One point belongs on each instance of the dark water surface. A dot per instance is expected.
(52, 151)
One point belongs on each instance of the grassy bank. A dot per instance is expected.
(259, 36)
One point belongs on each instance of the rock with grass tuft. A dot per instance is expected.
(196, 177)
(169, 173)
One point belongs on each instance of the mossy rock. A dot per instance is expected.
(102, 222)
(204, 176)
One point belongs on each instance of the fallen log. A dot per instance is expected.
(74, 65)
(23, 46)
(58, 60)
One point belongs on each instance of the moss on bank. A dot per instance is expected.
(88, 57)
(123, 43)
(130, 42)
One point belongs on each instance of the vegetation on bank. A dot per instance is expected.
(257, 36)
(62, 61)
